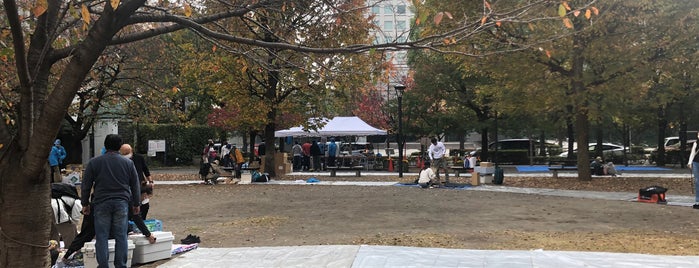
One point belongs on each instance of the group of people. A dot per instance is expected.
(116, 187)
(309, 155)
(599, 168)
(429, 174)
(212, 162)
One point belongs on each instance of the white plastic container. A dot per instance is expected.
(146, 252)
(90, 258)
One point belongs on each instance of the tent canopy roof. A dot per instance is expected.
(338, 126)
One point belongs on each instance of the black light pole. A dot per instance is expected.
(399, 93)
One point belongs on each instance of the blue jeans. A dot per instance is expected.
(695, 172)
(111, 217)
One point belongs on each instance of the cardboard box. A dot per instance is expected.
(245, 178)
(475, 179)
(145, 252)
(486, 179)
(484, 170)
(90, 258)
(487, 164)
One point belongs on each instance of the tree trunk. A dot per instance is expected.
(662, 125)
(582, 124)
(25, 214)
(485, 155)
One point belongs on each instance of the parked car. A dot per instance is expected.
(519, 151)
(609, 150)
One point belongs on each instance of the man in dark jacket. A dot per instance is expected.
(112, 181)
(316, 153)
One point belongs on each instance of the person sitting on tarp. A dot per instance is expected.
(426, 178)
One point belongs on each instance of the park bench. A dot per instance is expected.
(356, 169)
(562, 165)
(458, 170)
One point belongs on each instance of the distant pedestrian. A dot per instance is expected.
(238, 161)
(316, 153)
(112, 181)
(208, 155)
(693, 164)
(144, 177)
(306, 149)
(56, 157)
(332, 153)
(297, 152)
(437, 155)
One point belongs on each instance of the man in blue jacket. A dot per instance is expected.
(58, 153)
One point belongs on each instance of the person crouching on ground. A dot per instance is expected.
(426, 177)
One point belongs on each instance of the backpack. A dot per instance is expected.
(59, 190)
(259, 177)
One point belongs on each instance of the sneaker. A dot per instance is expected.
(695, 206)
(190, 239)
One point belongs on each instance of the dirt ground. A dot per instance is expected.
(290, 215)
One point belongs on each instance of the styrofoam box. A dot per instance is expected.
(146, 252)
(90, 258)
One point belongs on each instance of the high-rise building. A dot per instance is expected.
(393, 18)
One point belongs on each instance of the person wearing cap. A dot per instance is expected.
(597, 166)
(58, 153)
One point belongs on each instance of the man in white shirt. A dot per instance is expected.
(436, 153)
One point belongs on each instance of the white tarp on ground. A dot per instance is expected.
(354, 256)
(338, 126)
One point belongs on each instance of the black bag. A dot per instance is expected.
(648, 193)
(63, 189)
(498, 176)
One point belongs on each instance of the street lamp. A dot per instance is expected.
(399, 93)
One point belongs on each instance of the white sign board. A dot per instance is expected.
(155, 146)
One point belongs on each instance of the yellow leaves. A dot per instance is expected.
(2, 145)
(40, 8)
(187, 10)
(588, 14)
(548, 53)
(483, 20)
(498, 23)
(213, 48)
(5, 33)
(487, 5)
(595, 10)
(576, 13)
(85, 14)
(562, 10)
(175, 90)
(114, 3)
(3, 58)
(448, 41)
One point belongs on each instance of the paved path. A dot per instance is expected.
(365, 256)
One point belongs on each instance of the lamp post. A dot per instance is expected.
(399, 93)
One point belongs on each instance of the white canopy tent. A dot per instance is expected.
(338, 126)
